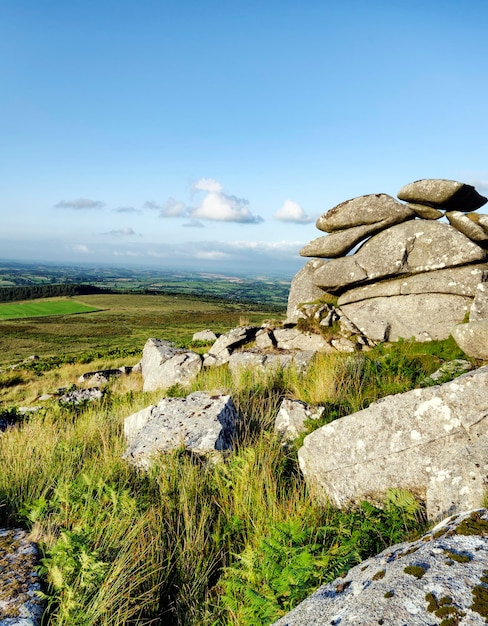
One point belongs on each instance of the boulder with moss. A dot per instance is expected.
(440, 579)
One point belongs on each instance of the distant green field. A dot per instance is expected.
(41, 308)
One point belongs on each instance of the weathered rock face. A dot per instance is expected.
(303, 289)
(437, 578)
(201, 423)
(19, 581)
(445, 194)
(422, 316)
(164, 365)
(433, 442)
(472, 338)
(379, 209)
(292, 416)
(406, 253)
(459, 281)
(246, 360)
(411, 248)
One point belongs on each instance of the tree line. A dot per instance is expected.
(31, 292)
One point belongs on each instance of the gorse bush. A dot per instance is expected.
(191, 542)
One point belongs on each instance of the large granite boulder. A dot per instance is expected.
(163, 365)
(303, 290)
(472, 338)
(379, 209)
(445, 194)
(201, 423)
(439, 579)
(409, 248)
(20, 604)
(431, 441)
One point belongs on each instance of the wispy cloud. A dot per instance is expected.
(80, 204)
(126, 209)
(291, 211)
(173, 208)
(122, 232)
(150, 204)
(81, 247)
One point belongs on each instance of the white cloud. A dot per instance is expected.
(292, 212)
(220, 207)
(207, 184)
(80, 204)
(216, 206)
(122, 232)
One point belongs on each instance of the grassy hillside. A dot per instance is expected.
(122, 321)
(189, 543)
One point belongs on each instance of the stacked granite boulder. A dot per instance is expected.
(394, 269)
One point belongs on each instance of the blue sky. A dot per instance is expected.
(210, 135)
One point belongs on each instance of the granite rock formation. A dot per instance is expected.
(412, 276)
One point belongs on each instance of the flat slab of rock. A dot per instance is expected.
(339, 242)
(472, 338)
(410, 248)
(468, 227)
(19, 581)
(460, 281)
(447, 194)
(380, 209)
(201, 423)
(268, 362)
(425, 212)
(433, 442)
(163, 365)
(418, 583)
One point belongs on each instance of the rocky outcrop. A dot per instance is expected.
(412, 276)
(200, 423)
(225, 345)
(20, 604)
(433, 442)
(163, 365)
(440, 579)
